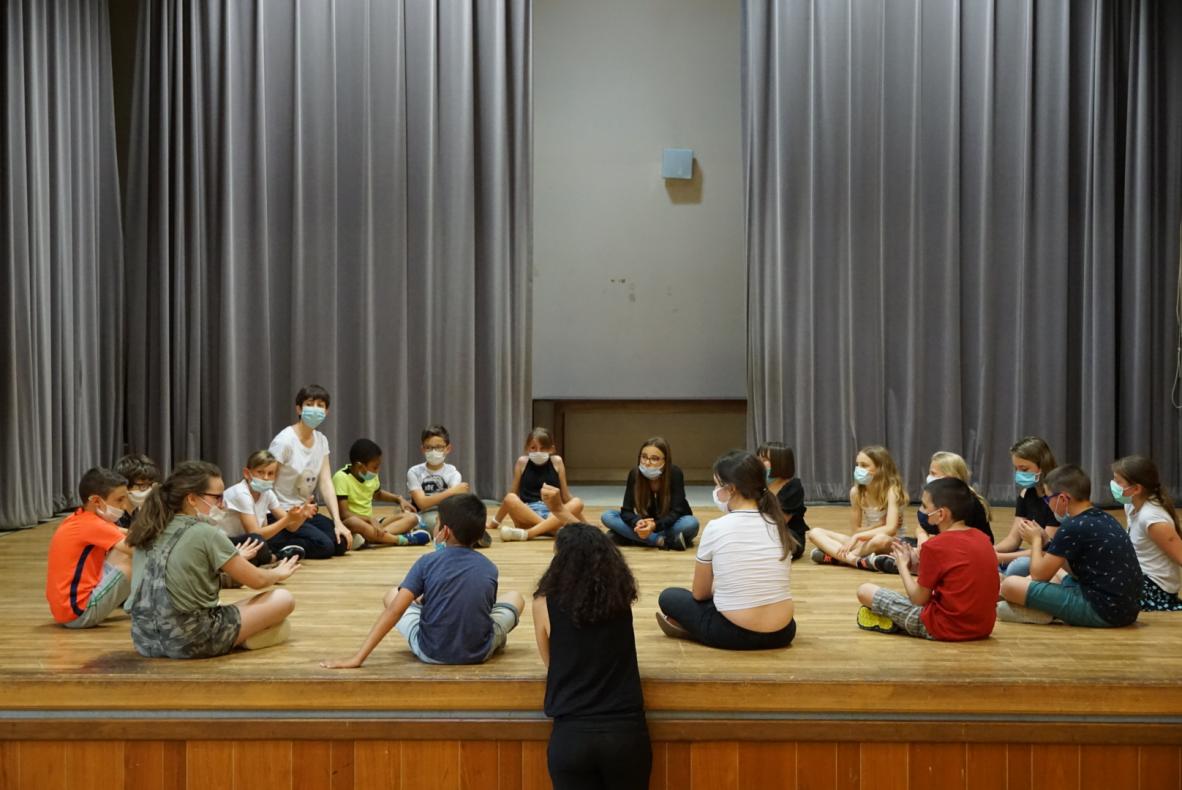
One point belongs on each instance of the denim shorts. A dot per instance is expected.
(504, 619)
(540, 508)
(1065, 601)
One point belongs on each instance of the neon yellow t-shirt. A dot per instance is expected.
(360, 493)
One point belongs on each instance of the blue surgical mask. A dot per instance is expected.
(1059, 518)
(367, 476)
(1025, 479)
(1118, 493)
(861, 476)
(312, 416)
(260, 486)
(767, 473)
(651, 472)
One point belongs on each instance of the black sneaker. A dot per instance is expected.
(885, 563)
(485, 541)
(676, 544)
(291, 551)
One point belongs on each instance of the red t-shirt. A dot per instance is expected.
(76, 555)
(960, 568)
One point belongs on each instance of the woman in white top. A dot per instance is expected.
(302, 452)
(1153, 529)
(741, 597)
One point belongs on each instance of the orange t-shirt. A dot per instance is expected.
(76, 555)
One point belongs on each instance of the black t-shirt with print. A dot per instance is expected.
(1103, 561)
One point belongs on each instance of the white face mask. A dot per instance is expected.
(109, 513)
(435, 457)
(539, 458)
(723, 505)
(212, 516)
(930, 479)
(651, 472)
(138, 497)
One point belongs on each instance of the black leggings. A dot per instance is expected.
(613, 755)
(708, 625)
(263, 557)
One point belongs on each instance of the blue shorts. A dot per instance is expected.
(1065, 601)
(540, 508)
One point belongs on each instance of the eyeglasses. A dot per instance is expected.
(219, 499)
(1047, 499)
(652, 459)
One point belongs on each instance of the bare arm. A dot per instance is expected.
(542, 629)
(386, 620)
(240, 570)
(329, 492)
(1043, 566)
(703, 587)
(1166, 538)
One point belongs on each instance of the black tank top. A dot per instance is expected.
(533, 477)
(593, 672)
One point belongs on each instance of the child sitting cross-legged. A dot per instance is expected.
(358, 485)
(955, 597)
(447, 607)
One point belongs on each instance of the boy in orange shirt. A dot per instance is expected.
(89, 560)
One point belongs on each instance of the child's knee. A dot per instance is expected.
(283, 602)
(866, 593)
(1013, 589)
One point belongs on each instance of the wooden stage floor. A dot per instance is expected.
(833, 671)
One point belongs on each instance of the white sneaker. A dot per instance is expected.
(513, 533)
(1013, 613)
(358, 541)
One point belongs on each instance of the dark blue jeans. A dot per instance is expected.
(687, 526)
(316, 536)
(708, 625)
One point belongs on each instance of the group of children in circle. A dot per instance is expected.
(191, 536)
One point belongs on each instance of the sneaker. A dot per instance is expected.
(513, 533)
(671, 629)
(485, 540)
(821, 558)
(358, 541)
(291, 551)
(418, 537)
(676, 544)
(1013, 613)
(869, 621)
(269, 637)
(884, 563)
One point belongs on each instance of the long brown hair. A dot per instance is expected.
(642, 490)
(745, 472)
(1142, 471)
(167, 499)
(886, 480)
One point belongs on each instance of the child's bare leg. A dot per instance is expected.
(521, 514)
(559, 516)
(829, 542)
(399, 524)
(263, 611)
(575, 506)
(366, 529)
(879, 544)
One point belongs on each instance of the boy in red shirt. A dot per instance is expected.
(955, 597)
(89, 560)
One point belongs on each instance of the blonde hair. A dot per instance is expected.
(886, 480)
(952, 465)
(259, 459)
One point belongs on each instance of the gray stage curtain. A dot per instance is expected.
(962, 227)
(61, 273)
(333, 193)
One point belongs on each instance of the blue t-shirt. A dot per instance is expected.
(1103, 561)
(459, 588)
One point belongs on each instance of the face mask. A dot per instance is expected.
(367, 476)
(440, 545)
(861, 476)
(313, 416)
(260, 486)
(651, 472)
(1025, 479)
(539, 458)
(435, 457)
(212, 516)
(108, 513)
(925, 521)
(722, 505)
(1059, 518)
(1118, 493)
(138, 497)
(767, 473)
(929, 479)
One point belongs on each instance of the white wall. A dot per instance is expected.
(639, 286)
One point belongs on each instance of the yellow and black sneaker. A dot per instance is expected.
(869, 621)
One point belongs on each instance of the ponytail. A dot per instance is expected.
(769, 508)
(167, 499)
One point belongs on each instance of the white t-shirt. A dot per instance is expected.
(745, 552)
(239, 500)
(432, 481)
(1155, 563)
(299, 466)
